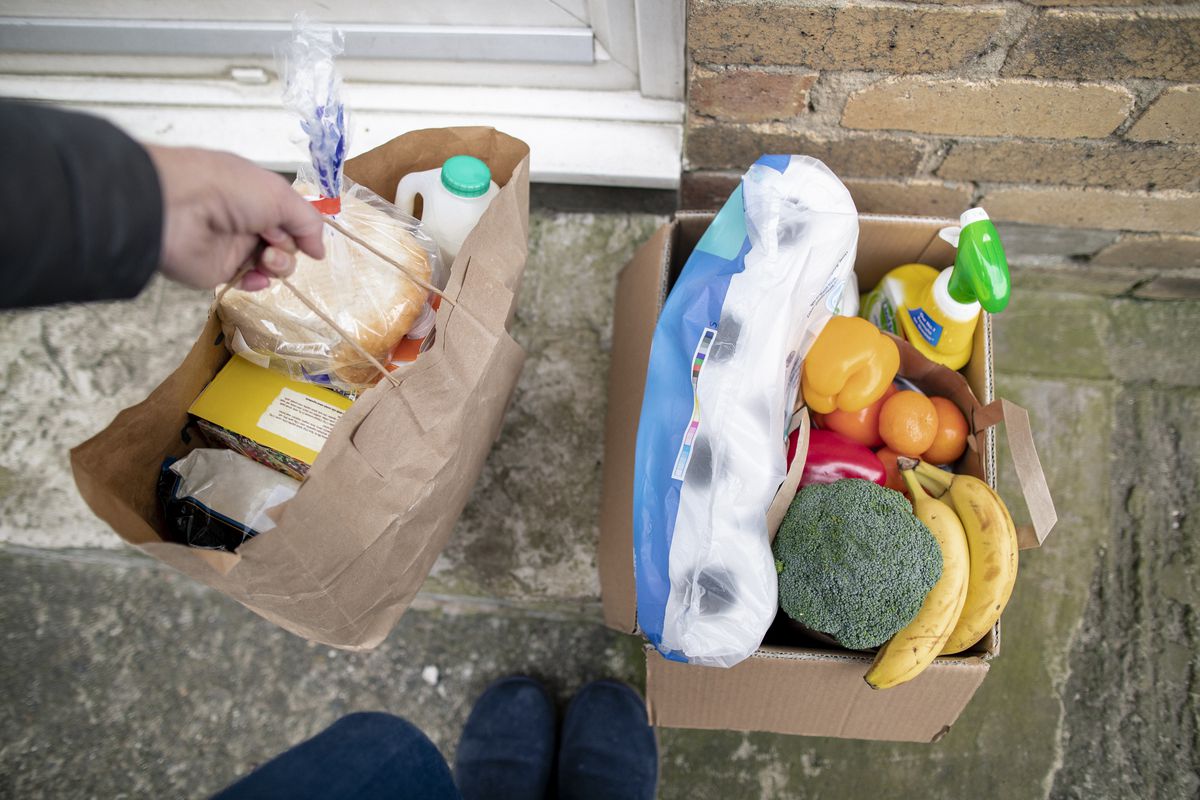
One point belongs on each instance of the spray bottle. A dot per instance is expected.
(938, 312)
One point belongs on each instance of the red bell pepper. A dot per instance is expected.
(832, 457)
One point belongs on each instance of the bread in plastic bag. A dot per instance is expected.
(371, 300)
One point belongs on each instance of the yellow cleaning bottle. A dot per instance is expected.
(938, 312)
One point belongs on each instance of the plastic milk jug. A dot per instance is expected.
(938, 312)
(454, 198)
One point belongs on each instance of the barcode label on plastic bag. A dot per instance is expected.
(686, 447)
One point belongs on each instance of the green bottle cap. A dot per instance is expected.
(980, 267)
(466, 176)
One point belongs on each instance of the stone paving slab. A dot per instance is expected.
(1066, 334)
(1132, 684)
(128, 680)
(65, 372)
(530, 529)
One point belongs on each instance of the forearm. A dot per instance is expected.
(82, 217)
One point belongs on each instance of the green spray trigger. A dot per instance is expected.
(980, 268)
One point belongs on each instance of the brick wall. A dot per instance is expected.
(1083, 114)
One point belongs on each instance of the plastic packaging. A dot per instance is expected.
(217, 499)
(372, 301)
(849, 304)
(453, 198)
(721, 386)
(369, 299)
(312, 89)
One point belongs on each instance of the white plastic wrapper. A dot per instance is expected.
(371, 300)
(802, 228)
(216, 499)
(849, 306)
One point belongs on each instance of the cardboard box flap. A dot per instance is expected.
(639, 294)
(689, 227)
(810, 694)
(885, 243)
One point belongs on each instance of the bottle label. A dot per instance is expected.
(930, 331)
(877, 309)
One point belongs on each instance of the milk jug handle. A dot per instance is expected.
(411, 185)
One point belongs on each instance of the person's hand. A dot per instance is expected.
(221, 211)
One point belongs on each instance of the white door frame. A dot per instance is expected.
(628, 136)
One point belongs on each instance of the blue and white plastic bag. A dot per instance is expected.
(721, 387)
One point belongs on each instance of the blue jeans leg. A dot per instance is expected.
(364, 756)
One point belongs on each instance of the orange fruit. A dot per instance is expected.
(950, 439)
(894, 481)
(859, 426)
(908, 423)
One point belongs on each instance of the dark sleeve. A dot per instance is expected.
(81, 212)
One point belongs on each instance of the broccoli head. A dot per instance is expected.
(854, 562)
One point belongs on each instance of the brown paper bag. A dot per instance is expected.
(353, 547)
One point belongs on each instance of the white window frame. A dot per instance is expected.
(617, 137)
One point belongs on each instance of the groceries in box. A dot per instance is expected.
(873, 531)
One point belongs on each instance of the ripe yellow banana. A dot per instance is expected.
(915, 646)
(992, 539)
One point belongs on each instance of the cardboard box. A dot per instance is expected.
(815, 689)
(267, 416)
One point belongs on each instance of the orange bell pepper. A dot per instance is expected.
(850, 366)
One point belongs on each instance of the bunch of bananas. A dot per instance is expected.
(979, 566)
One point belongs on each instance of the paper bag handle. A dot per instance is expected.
(1028, 466)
